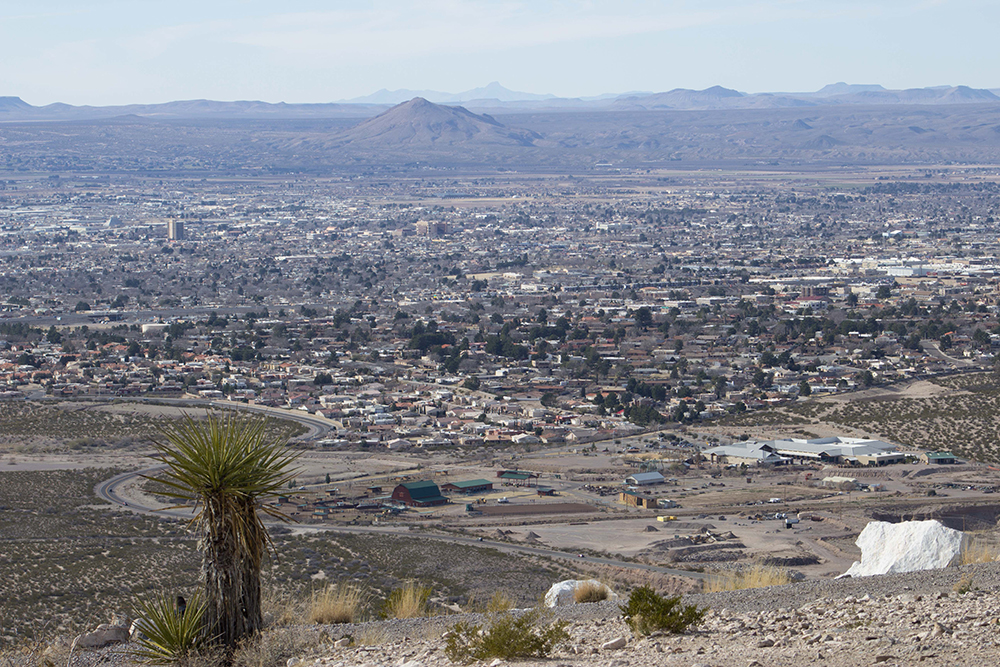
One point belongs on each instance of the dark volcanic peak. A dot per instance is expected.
(419, 123)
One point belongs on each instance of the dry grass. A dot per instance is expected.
(756, 576)
(980, 550)
(627, 578)
(281, 608)
(410, 601)
(372, 635)
(275, 647)
(591, 591)
(36, 654)
(499, 602)
(340, 603)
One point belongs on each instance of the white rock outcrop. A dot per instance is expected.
(561, 594)
(906, 547)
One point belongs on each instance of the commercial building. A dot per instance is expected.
(175, 230)
(645, 479)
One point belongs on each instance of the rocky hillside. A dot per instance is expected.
(947, 617)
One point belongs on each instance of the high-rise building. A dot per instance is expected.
(175, 230)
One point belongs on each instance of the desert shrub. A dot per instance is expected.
(410, 601)
(590, 591)
(757, 576)
(168, 637)
(509, 636)
(336, 604)
(964, 585)
(647, 612)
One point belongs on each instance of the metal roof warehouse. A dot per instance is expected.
(468, 486)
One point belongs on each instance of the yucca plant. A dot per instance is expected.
(228, 466)
(166, 635)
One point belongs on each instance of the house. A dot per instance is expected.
(645, 479)
(633, 499)
(419, 494)
(938, 458)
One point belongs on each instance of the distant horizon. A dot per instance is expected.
(529, 95)
(110, 53)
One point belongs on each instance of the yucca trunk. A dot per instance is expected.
(231, 572)
(229, 468)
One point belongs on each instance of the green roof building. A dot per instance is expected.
(419, 494)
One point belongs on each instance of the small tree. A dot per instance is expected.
(228, 466)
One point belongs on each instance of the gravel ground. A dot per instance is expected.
(891, 620)
(894, 620)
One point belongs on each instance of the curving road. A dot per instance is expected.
(317, 427)
(106, 491)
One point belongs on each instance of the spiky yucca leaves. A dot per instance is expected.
(167, 636)
(228, 466)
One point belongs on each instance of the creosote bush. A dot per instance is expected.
(509, 636)
(647, 612)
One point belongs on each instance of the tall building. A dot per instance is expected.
(175, 230)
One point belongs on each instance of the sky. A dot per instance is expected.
(104, 52)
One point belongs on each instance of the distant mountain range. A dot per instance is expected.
(492, 91)
(495, 98)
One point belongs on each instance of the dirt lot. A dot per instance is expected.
(532, 510)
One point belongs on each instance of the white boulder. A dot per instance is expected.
(561, 594)
(906, 547)
(103, 635)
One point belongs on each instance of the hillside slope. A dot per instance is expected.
(895, 620)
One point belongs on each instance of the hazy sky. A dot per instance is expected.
(111, 52)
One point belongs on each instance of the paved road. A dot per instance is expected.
(106, 490)
(934, 349)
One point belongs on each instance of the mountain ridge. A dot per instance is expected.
(497, 99)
